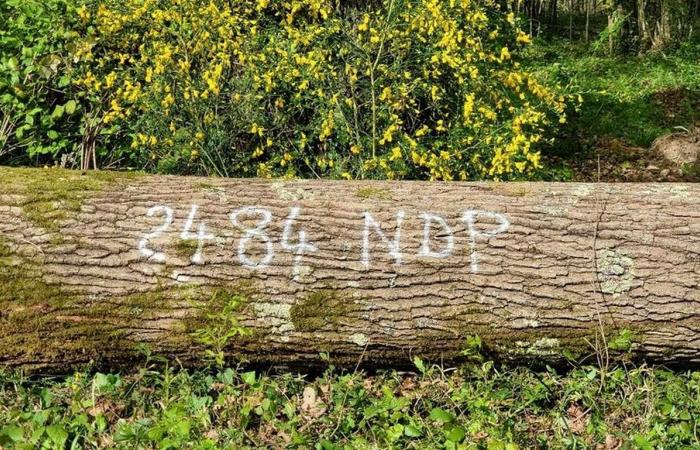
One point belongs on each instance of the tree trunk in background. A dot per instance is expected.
(663, 26)
(658, 23)
(92, 266)
(642, 25)
(588, 20)
(571, 20)
(611, 47)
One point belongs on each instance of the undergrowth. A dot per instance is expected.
(634, 99)
(475, 406)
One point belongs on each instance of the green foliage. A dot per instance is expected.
(473, 348)
(609, 38)
(37, 116)
(470, 407)
(632, 99)
(621, 342)
(221, 326)
(391, 89)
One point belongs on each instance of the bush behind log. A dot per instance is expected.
(392, 89)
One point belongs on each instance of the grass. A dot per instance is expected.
(627, 103)
(635, 99)
(479, 406)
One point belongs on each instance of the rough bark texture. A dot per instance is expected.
(573, 260)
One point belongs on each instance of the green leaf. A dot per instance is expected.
(395, 432)
(52, 134)
(621, 342)
(419, 364)
(19, 132)
(227, 376)
(103, 382)
(58, 112)
(46, 398)
(642, 443)
(100, 423)
(665, 407)
(440, 415)
(248, 378)
(182, 428)
(12, 63)
(13, 432)
(70, 106)
(456, 435)
(326, 445)
(57, 434)
(411, 431)
(568, 355)
(495, 444)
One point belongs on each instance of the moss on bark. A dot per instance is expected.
(47, 322)
(55, 196)
(374, 193)
(321, 310)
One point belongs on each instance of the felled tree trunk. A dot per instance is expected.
(92, 267)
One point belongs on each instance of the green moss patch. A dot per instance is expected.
(48, 197)
(185, 248)
(321, 310)
(47, 322)
(374, 193)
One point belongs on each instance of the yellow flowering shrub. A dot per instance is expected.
(391, 89)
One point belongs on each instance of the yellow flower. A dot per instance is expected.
(505, 54)
(168, 101)
(364, 25)
(257, 129)
(522, 38)
(83, 13)
(110, 79)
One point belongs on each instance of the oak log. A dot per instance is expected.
(91, 266)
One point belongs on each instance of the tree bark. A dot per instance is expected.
(91, 267)
(663, 26)
(642, 25)
(571, 20)
(588, 20)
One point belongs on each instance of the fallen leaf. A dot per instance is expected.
(310, 403)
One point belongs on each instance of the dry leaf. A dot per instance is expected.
(310, 403)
